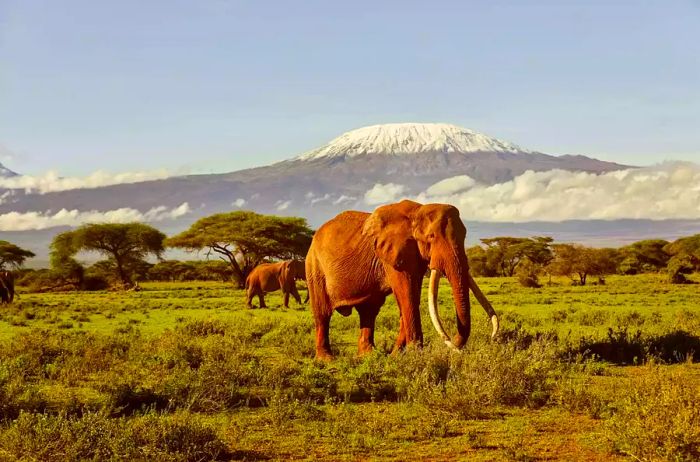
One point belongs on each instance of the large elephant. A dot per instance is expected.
(269, 277)
(7, 287)
(357, 259)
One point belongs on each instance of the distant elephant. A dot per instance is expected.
(356, 259)
(269, 277)
(7, 287)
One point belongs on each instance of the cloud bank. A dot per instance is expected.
(382, 193)
(16, 221)
(666, 191)
(52, 182)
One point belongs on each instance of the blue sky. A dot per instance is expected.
(212, 86)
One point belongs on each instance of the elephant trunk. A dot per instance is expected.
(460, 281)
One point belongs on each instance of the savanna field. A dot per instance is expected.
(184, 371)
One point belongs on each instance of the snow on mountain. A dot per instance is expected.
(410, 138)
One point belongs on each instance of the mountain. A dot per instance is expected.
(410, 138)
(6, 172)
(321, 182)
(409, 157)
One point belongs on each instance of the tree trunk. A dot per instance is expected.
(122, 274)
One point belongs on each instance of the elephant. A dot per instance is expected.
(269, 277)
(7, 287)
(357, 259)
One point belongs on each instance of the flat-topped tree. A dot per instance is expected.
(122, 243)
(12, 256)
(244, 239)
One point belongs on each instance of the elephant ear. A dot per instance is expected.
(390, 231)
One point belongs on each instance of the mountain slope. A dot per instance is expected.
(6, 172)
(324, 181)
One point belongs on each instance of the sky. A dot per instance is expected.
(215, 86)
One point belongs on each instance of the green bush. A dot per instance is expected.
(659, 420)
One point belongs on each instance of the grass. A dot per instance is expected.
(183, 371)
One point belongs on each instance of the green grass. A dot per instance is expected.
(183, 371)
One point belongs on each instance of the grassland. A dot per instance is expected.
(186, 372)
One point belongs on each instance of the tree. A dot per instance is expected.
(686, 247)
(685, 258)
(12, 256)
(126, 245)
(478, 262)
(504, 254)
(644, 256)
(577, 261)
(245, 239)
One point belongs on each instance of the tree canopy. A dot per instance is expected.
(12, 256)
(577, 261)
(244, 239)
(644, 256)
(125, 245)
(684, 258)
(504, 254)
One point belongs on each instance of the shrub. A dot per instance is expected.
(94, 436)
(527, 273)
(658, 420)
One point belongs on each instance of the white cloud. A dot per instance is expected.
(343, 198)
(283, 205)
(665, 191)
(240, 202)
(323, 198)
(52, 182)
(16, 221)
(451, 185)
(382, 193)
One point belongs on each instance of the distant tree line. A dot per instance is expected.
(531, 258)
(234, 243)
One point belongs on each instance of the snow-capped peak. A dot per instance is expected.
(410, 138)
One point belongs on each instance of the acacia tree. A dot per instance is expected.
(685, 258)
(644, 256)
(504, 254)
(12, 256)
(245, 239)
(577, 261)
(124, 244)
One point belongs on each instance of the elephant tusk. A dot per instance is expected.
(432, 308)
(483, 301)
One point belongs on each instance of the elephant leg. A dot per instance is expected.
(407, 293)
(323, 342)
(368, 315)
(295, 294)
(249, 296)
(400, 338)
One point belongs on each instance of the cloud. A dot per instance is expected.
(666, 191)
(451, 185)
(52, 182)
(240, 202)
(283, 205)
(343, 198)
(16, 221)
(323, 198)
(382, 193)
